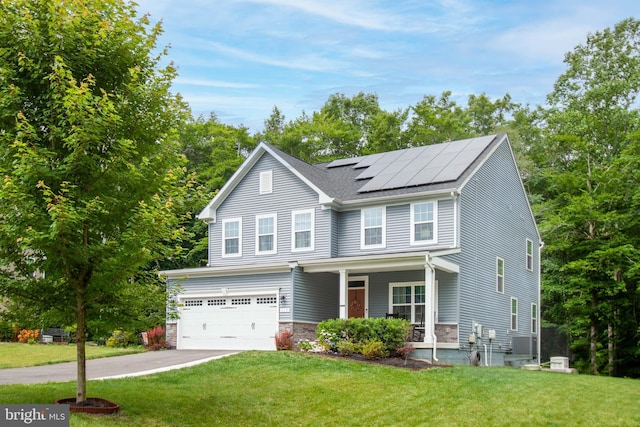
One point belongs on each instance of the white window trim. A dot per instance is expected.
(224, 238)
(534, 320)
(529, 256)
(413, 304)
(384, 228)
(266, 182)
(275, 234)
(498, 275)
(415, 242)
(293, 230)
(513, 315)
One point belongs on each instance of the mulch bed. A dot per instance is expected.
(398, 362)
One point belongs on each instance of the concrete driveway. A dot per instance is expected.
(113, 367)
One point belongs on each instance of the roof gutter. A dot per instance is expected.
(398, 198)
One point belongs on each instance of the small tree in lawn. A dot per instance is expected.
(90, 175)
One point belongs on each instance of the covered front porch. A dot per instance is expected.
(419, 287)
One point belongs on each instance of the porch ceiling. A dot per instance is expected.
(379, 263)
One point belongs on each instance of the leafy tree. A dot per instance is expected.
(434, 120)
(587, 188)
(214, 151)
(90, 166)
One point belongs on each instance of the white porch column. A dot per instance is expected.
(343, 290)
(430, 294)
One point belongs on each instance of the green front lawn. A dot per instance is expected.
(297, 389)
(17, 355)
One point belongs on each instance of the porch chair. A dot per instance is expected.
(417, 334)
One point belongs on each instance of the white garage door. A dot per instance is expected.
(228, 323)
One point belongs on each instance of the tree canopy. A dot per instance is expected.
(91, 172)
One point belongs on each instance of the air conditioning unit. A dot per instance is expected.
(526, 346)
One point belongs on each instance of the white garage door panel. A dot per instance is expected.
(247, 323)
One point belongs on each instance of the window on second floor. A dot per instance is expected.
(529, 255)
(232, 237)
(302, 230)
(423, 222)
(266, 234)
(266, 182)
(373, 228)
(500, 275)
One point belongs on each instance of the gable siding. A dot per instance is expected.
(398, 230)
(289, 194)
(495, 222)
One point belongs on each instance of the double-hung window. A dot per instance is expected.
(407, 300)
(266, 234)
(302, 230)
(232, 237)
(423, 223)
(534, 318)
(500, 275)
(514, 314)
(373, 228)
(529, 255)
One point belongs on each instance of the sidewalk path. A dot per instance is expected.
(113, 367)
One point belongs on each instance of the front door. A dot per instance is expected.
(356, 302)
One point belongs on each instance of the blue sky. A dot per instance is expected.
(240, 58)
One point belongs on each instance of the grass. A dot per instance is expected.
(297, 389)
(17, 355)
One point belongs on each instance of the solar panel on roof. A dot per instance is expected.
(422, 165)
(345, 162)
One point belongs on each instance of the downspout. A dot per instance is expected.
(435, 342)
(485, 355)
(539, 305)
(431, 313)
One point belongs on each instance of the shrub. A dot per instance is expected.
(28, 336)
(374, 349)
(391, 332)
(120, 339)
(346, 348)
(404, 352)
(312, 346)
(284, 340)
(156, 339)
(7, 331)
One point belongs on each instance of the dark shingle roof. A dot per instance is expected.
(439, 167)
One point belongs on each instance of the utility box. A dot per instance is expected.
(559, 363)
(47, 339)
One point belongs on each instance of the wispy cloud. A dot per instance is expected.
(365, 14)
(309, 62)
(214, 83)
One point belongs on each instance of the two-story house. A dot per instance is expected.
(442, 235)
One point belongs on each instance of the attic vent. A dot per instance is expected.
(266, 182)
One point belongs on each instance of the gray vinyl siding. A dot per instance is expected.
(398, 230)
(257, 281)
(289, 194)
(315, 296)
(447, 297)
(495, 222)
